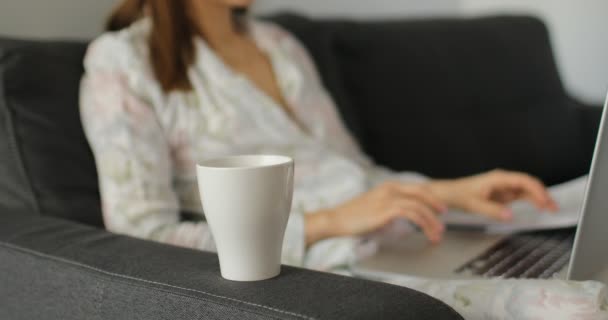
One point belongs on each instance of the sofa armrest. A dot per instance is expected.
(57, 269)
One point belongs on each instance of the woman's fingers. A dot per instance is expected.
(505, 196)
(530, 188)
(417, 204)
(490, 209)
(422, 216)
(418, 220)
(533, 190)
(423, 194)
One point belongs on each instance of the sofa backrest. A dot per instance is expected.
(450, 97)
(46, 166)
(445, 97)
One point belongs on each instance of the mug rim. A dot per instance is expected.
(275, 161)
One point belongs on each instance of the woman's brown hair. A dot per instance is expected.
(170, 42)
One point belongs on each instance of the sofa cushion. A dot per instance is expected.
(47, 165)
(461, 96)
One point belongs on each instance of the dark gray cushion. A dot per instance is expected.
(47, 164)
(56, 269)
(453, 97)
(462, 97)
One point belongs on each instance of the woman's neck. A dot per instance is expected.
(215, 24)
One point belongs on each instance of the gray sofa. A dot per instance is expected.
(419, 83)
(57, 262)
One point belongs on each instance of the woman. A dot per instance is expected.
(173, 82)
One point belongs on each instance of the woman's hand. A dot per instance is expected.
(377, 208)
(490, 193)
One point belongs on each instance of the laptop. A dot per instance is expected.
(575, 253)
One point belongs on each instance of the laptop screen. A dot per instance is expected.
(590, 252)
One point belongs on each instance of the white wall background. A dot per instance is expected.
(53, 18)
(579, 27)
(361, 8)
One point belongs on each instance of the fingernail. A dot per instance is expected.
(506, 214)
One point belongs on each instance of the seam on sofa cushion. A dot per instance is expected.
(99, 296)
(125, 277)
(15, 152)
(103, 279)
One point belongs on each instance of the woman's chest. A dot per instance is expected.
(216, 121)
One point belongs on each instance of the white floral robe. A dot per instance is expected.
(146, 142)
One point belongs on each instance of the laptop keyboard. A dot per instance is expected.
(538, 254)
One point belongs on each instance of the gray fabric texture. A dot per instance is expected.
(15, 192)
(49, 166)
(483, 92)
(57, 269)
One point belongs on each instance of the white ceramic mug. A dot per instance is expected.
(247, 200)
